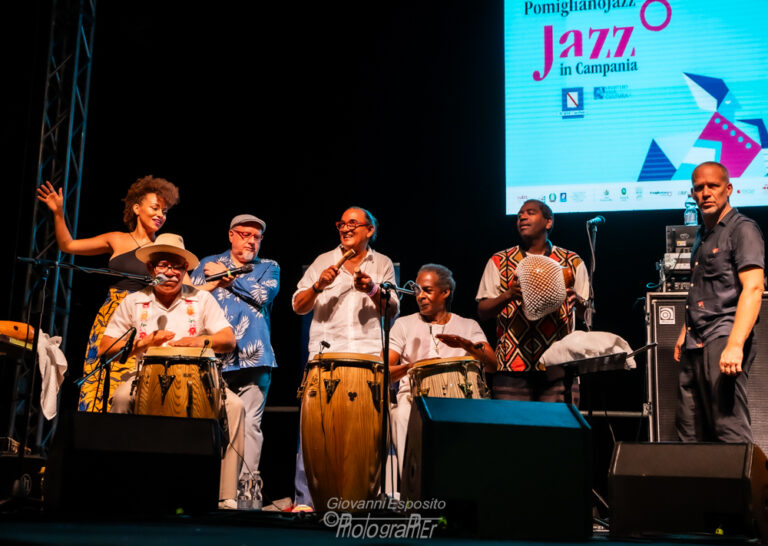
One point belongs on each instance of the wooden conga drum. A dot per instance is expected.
(456, 377)
(341, 402)
(179, 382)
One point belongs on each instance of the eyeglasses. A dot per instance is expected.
(165, 266)
(352, 224)
(248, 236)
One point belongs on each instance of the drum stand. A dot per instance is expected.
(105, 364)
(385, 289)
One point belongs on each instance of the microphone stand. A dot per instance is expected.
(39, 289)
(101, 271)
(590, 310)
(386, 289)
(43, 268)
(105, 364)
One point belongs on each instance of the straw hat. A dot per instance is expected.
(168, 243)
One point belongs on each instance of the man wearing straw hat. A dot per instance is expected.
(178, 315)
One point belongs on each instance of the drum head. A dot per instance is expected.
(180, 352)
(346, 357)
(444, 361)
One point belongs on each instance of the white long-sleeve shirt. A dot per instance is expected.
(347, 319)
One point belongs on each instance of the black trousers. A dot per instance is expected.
(711, 406)
(532, 387)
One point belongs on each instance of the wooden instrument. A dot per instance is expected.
(341, 401)
(17, 330)
(568, 277)
(179, 382)
(456, 377)
(346, 256)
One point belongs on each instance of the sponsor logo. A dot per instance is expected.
(572, 103)
(608, 92)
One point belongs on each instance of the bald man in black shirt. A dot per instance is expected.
(716, 346)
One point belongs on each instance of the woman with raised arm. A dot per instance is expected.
(146, 204)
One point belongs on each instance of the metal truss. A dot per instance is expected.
(60, 161)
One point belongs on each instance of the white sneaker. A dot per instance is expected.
(228, 504)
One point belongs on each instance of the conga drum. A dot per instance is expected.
(179, 382)
(341, 402)
(457, 377)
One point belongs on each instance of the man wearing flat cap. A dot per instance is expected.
(177, 315)
(246, 298)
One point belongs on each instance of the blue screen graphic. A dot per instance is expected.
(610, 104)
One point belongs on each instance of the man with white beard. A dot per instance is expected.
(247, 302)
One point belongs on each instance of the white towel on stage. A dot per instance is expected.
(579, 345)
(53, 365)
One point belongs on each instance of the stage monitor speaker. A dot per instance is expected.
(666, 314)
(673, 488)
(505, 470)
(133, 464)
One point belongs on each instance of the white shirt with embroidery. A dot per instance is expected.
(193, 313)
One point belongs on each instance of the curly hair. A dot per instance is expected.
(148, 184)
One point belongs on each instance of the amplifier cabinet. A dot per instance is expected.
(665, 315)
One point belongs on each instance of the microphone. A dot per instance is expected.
(247, 268)
(206, 342)
(414, 287)
(596, 220)
(413, 291)
(160, 279)
(128, 347)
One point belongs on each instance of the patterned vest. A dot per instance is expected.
(520, 341)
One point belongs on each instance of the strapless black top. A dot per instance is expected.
(128, 263)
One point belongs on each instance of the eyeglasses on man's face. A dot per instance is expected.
(352, 225)
(166, 266)
(248, 236)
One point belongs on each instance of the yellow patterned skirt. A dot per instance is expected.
(92, 391)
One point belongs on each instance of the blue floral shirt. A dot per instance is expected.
(247, 304)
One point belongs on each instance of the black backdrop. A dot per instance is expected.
(294, 111)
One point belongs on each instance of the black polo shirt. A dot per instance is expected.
(733, 244)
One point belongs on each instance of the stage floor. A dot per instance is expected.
(241, 528)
